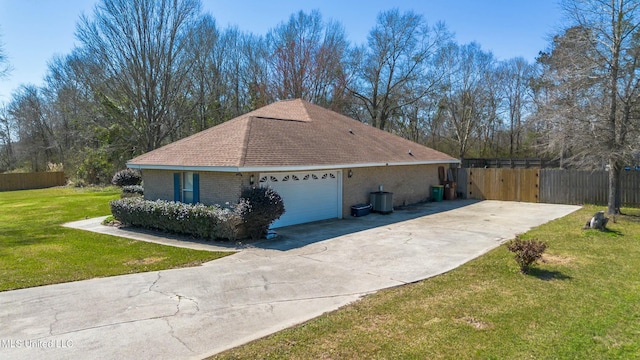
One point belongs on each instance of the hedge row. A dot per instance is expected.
(209, 222)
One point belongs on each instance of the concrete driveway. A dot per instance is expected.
(268, 286)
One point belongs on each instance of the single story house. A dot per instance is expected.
(319, 161)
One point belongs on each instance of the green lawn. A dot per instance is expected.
(36, 250)
(583, 302)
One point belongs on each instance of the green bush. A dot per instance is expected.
(95, 168)
(526, 252)
(133, 190)
(209, 222)
(259, 208)
(127, 177)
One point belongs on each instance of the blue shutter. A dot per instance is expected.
(176, 187)
(196, 188)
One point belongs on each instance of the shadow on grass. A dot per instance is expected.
(612, 232)
(19, 238)
(608, 231)
(548, 275)
(629, 217)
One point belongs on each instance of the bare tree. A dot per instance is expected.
(29, 110)
(78, 120)
(567, 79)
(600, 55)
(71, 102)
(468, 99)
(5, 68)
(216, 88)
(235, 67)
(394, 69)
(418, 122)
(139, 53)
(255, 76)
(7, 157)
(206, 85)
(307, 60)
(515, 78)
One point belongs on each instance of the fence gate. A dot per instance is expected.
(503, 184)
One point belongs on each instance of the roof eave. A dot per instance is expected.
(241, 169)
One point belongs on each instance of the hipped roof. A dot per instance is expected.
(288, 135)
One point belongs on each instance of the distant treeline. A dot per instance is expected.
(147, 73)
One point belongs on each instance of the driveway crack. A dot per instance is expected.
(173, 335)
(181, 307)
(161, 317)
(284, 301)
(155, 282)
(54, 322)
(308, 257)
(191, 300)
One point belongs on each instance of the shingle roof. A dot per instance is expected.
(289, 134)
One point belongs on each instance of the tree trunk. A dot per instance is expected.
(613, 205)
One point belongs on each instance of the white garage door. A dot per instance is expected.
(308, 196)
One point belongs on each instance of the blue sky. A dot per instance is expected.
(33, 31)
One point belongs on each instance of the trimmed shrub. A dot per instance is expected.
(526, 252)
(209, 222)
(133, 190)
(127, 177)
(259, 208)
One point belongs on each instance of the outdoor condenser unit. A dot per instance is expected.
(381, 201)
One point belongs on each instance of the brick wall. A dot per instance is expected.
(215, 188)
(408, 183)
(158, 184)
(221, 188)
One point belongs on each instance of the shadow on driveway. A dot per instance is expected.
(287, 238)
(296, 236)
(173, 239)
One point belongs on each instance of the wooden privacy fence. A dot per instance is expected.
(503, 184)
(587, 187)
(547, 186)
(27, 181)
(510, 163)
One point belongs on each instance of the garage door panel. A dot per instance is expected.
(307, 196)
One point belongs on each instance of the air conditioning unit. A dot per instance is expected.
(381, 201)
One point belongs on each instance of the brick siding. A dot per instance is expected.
(215, 188)
(158, 184)
(409, 184)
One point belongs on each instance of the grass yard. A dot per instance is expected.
(36, 250)
(583, 302)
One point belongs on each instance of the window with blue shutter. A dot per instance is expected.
(196, 188)
(186, 187)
